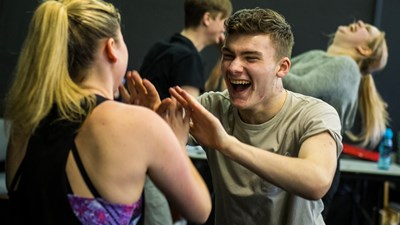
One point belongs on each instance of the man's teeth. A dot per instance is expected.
(242, 82)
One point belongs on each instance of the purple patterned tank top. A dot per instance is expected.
(91, 211)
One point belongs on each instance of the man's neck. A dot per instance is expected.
(263, 113)
(196, 37)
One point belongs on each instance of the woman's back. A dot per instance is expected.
(122, 143)
(117, 145)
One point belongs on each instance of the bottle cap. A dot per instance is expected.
(388, 133)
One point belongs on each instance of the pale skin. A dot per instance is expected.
(251, 59)
(353, 40)
(119, 144)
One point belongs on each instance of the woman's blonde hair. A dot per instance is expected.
(372, 108)
(59, 48)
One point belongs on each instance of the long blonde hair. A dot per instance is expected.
(372, 108)
(59, 47)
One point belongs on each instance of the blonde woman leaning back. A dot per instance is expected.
(342, 76)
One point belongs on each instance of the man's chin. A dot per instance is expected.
(239, 103)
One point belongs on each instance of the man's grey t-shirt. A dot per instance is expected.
(241, 196)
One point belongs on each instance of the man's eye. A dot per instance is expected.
(251, 59)
(227, 57)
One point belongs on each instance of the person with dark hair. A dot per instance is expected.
(74, 155)
(177, 61)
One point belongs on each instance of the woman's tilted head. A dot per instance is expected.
(365, 43)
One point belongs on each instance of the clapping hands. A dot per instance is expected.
(140, 92)
(143, 93)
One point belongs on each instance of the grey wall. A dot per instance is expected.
(147, 21)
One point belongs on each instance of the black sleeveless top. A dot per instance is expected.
(40, 187)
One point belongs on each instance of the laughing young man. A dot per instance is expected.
(272, 152)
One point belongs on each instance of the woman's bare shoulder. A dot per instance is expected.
(128, 121)
(116, 111)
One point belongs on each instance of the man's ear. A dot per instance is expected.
(206, 20)
(364, 50)
(283, 67)
(110, 51)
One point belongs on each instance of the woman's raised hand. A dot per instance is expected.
(140, 91)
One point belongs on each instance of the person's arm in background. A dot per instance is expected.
(193, 91)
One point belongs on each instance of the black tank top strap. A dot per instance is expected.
(17, 175)
(100, 99)
(83, 172)
(81, 167)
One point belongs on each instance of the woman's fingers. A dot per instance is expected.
(174, 93)
(153, 98)
(124, 94)
(139, 87)
(171, 107)
(162, 110)
(131, 85)
(151, 89)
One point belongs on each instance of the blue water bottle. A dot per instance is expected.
(385, 150)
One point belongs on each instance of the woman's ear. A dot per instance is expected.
(110, 51)
(283, 67)
(364, 50)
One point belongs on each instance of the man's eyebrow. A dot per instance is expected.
(249, 52)
(225, 49)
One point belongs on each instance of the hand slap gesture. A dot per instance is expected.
(177, 118)
(141, 91)
(205, 127)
